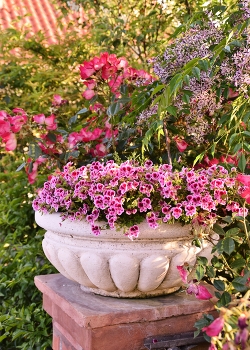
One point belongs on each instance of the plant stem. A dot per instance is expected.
(245, 226)
(167, 139)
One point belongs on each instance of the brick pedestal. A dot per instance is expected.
(85, 321)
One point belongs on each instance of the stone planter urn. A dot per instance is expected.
(110, 264)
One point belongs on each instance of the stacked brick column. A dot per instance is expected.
(85, 321)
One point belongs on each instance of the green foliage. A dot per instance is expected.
(229, 270)
(23, 323)
(133, 28)
(32, 72)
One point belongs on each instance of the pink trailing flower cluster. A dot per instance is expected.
(128, 193)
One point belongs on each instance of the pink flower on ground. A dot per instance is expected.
(215, 327)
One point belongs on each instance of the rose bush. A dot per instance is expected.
(91, 134)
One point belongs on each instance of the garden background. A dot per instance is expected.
(34, 70)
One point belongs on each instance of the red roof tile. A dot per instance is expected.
(36, 15)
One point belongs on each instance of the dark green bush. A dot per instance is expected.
(23, 323)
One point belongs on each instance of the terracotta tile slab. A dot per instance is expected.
(93, 311)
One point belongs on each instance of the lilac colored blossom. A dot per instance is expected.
(194, 43)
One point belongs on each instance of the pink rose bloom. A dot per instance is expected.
(17, 122)
(88, 94)
(39, 118)
(10, 142)
(5, 128)
(87, 69)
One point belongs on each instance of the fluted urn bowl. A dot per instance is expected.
(110, 264)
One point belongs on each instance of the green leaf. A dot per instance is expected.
(228, 245)
(242, 163)
(174, 84)
(227, 48)
(218, 248)
(18, 333)
(232, 138)
(82, 111)
(186, 98)
(246, 117)
(21, 166)
(34, 149)
(199, 157)
(233, 231)
(172, 110)
(157, 89)
(73, 119)
(186, 79)
(238, 264)
(225, 299)
(51, 137)
(239, 283)
(237, 148)
(200, 272)
(113, 109)
(202, 260)
(124, 100)
(210, 271)
(197, 73)
(2, 337)
(218, 229)
(219, 285)
(204, 65)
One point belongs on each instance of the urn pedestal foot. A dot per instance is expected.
(85, 321)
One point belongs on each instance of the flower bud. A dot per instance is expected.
(242, 321)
